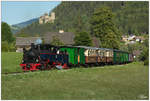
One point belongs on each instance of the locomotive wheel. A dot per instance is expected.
(45, 66)
(32, 70)
(96, 64)
(86, 65)
(42, 67)
(49, 67)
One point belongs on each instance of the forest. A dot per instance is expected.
(74, 16)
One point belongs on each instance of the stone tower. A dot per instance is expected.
(41, 20)
(47, 19)
(52, 17)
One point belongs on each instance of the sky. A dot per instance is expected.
(14, 12)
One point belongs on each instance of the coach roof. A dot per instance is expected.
(66, 37)
(26, 40)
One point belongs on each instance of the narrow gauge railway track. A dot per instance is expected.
(26, 72)
(15, 73)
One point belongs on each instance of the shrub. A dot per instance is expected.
(12, 47)
(5, 46)
(144, 56)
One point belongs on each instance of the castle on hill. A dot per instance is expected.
(47, 19)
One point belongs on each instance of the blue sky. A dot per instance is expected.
(14, 12)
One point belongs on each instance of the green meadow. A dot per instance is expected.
(117, 82)
(10, 62)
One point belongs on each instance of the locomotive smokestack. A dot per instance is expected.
(32, 45)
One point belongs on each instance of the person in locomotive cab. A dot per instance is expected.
(24, 50)
(55, 50)
(25, 58)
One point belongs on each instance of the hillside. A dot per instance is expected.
(130, 17)
(17, 27)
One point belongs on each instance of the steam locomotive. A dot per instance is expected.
(46, 56)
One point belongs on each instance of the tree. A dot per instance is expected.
(144, 56)
(6, 33)
(79, 24)
(83, 39)
(8, 41)
(102, 26)
(8, 47)
(12, 47)
(56, 41)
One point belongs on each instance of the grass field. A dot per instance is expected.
(10, 62)
(128, 81)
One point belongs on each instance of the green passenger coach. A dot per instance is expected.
(120, 57)
(76, 55)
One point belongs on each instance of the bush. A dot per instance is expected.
(6, 47)
(144, 56)
(146, 62)
(12, 47)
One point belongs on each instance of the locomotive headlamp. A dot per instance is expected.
(37, 60)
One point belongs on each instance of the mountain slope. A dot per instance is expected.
(130, 17)
(17, 27)
(26, 23)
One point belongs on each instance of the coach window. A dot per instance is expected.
(88, 52)
(101, 53)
